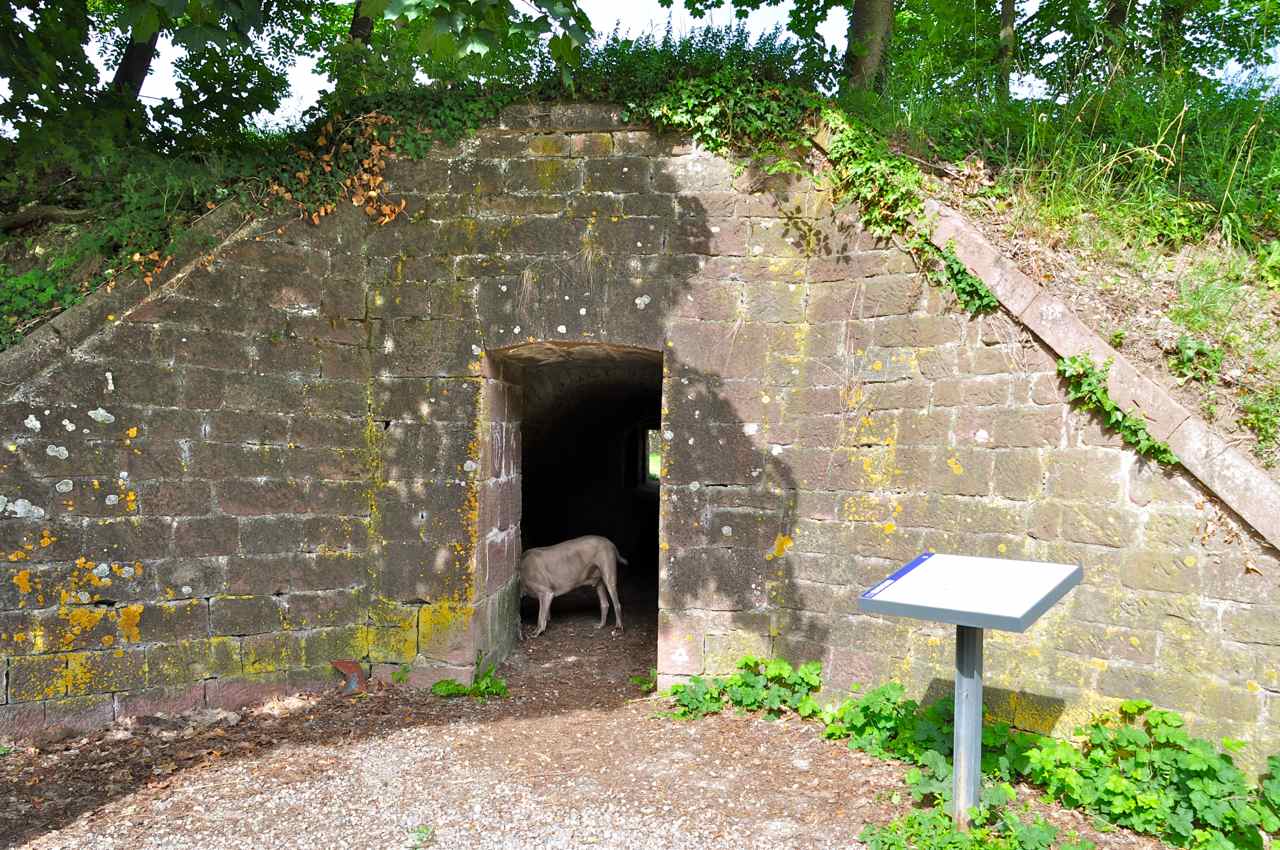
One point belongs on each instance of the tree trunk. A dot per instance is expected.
(1008, 17)
(1172, 34)
(361, 25)
(1117, 15)
(870, 28)
(134, 65)
(1116, 33)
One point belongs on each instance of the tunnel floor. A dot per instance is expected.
(580, 608)
(576, 757)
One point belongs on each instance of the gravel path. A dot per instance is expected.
(574, 758)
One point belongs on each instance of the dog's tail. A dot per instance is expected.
(622, 560)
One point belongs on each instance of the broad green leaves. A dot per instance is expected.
(1137, 768)
(772, 686)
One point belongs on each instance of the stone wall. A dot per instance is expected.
(309, 449)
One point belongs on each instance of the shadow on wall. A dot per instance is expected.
(1024, 710)
(646, 249)
(726, 324)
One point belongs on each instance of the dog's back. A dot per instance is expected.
(560, 568)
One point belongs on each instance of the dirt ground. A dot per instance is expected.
(575, 757)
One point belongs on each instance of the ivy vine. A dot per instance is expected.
(1087, 390)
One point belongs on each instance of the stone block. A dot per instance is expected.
(447, 632)
(272, 653)
(248, 498)
(1107, 642)
(197, 537)
(164, 621)
(1163, 571)
(721, 652)
(270, 534)
(422, 675)
(919, 332)
(1151, 483)
(1231, 475)
(690, 174)
(478, 177)
(37, 677)
(105, 671)
(543, 175)
(21, 721)
(237, 693)
(174, 498)
(1252, 624)
(325, 645)
(1084, 475)
(78, 714)
(972, 392)
(1172, 529)
(324, 608)
(617, 174)
(1101, 526)
(170, 700)
(192, 660)
(1011, 428)
(245, 615)
(1017, 474)
(962, 472)
(125, 540)
(716, 579)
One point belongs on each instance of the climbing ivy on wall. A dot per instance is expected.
(1087, 389)
(789, 129)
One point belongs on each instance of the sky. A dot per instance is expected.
(635, 17)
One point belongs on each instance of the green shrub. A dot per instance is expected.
(486, 686)
(772, 686)
(1136, 768)
(934, 829)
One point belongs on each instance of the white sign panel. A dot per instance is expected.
(987, 593)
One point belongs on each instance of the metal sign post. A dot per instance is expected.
(973, 594)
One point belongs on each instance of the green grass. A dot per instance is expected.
(422, 837)
(1260, 413)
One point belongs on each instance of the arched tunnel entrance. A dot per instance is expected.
(589, 423)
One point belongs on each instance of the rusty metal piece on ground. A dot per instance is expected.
(355, 678)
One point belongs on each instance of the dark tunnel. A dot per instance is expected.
(588, 426)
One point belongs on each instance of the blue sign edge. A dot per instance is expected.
(873, 592)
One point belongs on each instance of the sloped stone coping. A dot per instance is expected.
(64, 332)
(1224, 469)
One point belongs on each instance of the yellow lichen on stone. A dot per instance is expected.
(79, 620)
(127, 623)
(439, 621)
(22, 579)
(781, 543)
(955, 466)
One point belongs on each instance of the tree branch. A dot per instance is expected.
(42, 212)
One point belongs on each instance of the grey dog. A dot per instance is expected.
(550, 571)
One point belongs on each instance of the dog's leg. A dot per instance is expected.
(604, 604)
(544, 612)
(611, 581)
